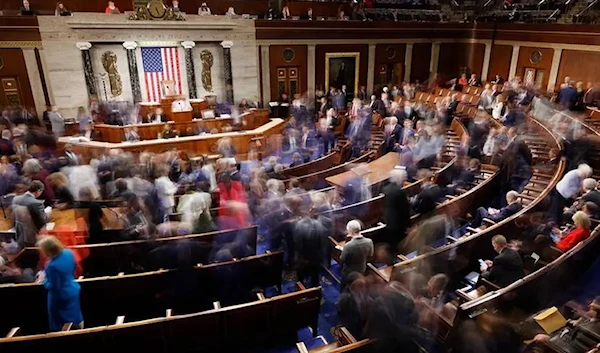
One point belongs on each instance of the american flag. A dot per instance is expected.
(160, 64)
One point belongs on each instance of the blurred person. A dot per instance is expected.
(195, 209)
(111, 9)
(230, 190)
(30, 215)
(396, 209)
(392, 131)
(6, 144)
(70, 155)
(473, 81)
(356, 252)
(204, 10)
(131, 134)
(425, 202)
(567, 96)
(32, 169)
(27, 10)
(59, 281)
(309, 245)
(158, 116)
(64, 198)
(166, 190)
(57, 121)
(326, 126)
(513, 206)
(225, 148)
(567, 188)
(567, 241)
(506, 268)
(87, 201)
(83, 118)
(168, 132)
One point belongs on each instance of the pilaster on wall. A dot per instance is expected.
(435, 59)
(35, 81)
(266, 74)
(554, 70)
(408, 61)
(371, 70)
(486, 62)
(512, 72)
(311, 69)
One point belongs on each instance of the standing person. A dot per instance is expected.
(83, 119)
(397, 209)
(309, 244)
(165, 190)
(356, 252)
(33, 214)
(59, 280)
(57, 121)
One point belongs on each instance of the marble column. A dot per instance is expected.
(310, 70)
(265, 70)
(134, 77)
(554, 70)
(227, 70)
(486, 62)
(88, 70)
(189, 68)
(435, 59)
(370, 71)
(408, 61)
(512, 72)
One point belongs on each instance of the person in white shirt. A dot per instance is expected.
(165, 190)
(204, 10)
(498, 108)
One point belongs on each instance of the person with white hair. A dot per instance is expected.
(567, 188)
(392, 131)
(396, 209)
(356, 251)
(513, 206)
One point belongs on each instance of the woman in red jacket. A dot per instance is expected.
(581, 232)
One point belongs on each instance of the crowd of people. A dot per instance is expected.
(173, 193)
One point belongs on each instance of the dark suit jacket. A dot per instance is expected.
(6, 148)
(393, 138)
(379, 107)
(506, 212)
(508, 267)
(427, 199)
(397, 209)
(593, 196)
(163, 118)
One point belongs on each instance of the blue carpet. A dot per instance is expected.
(328, 313)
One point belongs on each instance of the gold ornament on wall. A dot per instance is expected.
(109, 61)
(207, 63)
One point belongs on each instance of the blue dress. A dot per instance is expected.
(63, 291)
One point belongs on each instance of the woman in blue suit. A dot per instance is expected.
(63, 290)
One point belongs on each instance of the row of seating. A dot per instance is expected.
(243, 327)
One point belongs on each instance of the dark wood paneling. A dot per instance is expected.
(389, 54)
(525, 62)
(421, 57)
(47, 6)
(455, 56)
(499, 62)
(580, 65)
(341, 48)
(276, 60)
(14, 66)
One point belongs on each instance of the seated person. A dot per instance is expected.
(513, 206)
(587, 315)
(506, 268)
(296, 159)
(168, 132)
(590, 194)
(426, 200)
(201, 129)
(566, 241)
(158, 116)
(131, 134)
(465, 178)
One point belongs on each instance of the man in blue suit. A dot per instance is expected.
(514, 206)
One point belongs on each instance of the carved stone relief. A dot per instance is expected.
(109, 62)
(207, 63)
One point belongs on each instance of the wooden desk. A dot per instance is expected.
(116, 134)
(194, 145)
(379, 171)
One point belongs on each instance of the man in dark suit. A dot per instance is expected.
(397, 209)
(513, 206)
(362, 93)
(393, 132)
(451, 109)
(72, 158)
(506, 268)
(6, 145)
(377, 105)
(567, 96)
(158, 116)
(426, 201)
(498, 80)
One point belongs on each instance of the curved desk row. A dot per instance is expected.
(195, 145)
(116, 134)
